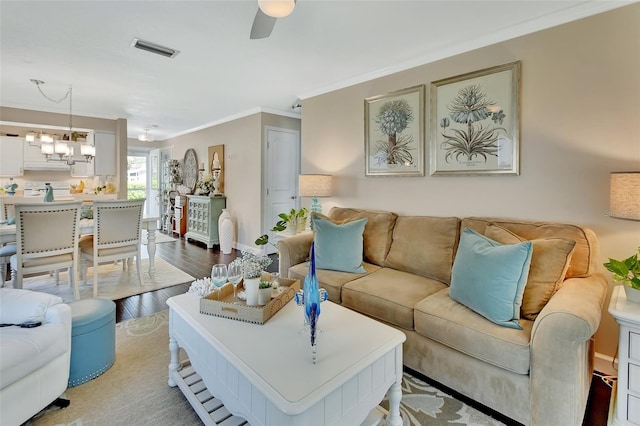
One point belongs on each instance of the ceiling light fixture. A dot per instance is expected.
(277, 8)
(65, 152)
(154, 48)
(146, 137)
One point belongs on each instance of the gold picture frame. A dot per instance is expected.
(474, 120)
(394, 133)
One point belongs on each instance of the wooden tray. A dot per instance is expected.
(222, 304)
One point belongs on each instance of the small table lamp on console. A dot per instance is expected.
(625, 195)
(314, 186)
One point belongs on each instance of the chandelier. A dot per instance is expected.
(146, 137)
(59, 149)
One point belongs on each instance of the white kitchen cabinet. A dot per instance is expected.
(11, 156)
(80, 168)
(105, 163)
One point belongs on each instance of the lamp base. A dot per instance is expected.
(315, 207)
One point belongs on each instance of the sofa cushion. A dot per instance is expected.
(377, 232)
(389, 295)
(338, 247)
(442, 319)
(25, 350)
(331, 281)
(424, 246)
(489, 277)
(549, 263)
(584, 261)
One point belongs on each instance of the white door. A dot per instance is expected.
(282, 170)
(153, 199)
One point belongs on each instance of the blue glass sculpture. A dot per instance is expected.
(310, 298)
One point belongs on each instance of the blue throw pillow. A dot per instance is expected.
(489, 277)
(338, 246)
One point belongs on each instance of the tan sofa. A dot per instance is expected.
(539, 375)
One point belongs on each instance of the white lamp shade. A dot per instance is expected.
(314, 185)
(624, 202)
(46, 138)
(60, 148)
(86, 149)
(46, 148)
(277, 8)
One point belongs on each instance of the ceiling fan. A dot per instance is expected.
(268, 12)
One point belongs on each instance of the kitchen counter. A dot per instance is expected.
(12, 199)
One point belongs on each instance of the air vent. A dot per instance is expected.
(154, 48)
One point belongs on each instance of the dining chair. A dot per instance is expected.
(46, 240)
(6, 208)
(6, 251)
(117, 230)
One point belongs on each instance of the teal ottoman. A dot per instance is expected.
(93, 339)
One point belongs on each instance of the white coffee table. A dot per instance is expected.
(264, 373)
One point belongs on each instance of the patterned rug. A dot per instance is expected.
(134, 391)
(423, 404)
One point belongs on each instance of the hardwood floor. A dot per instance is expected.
(191, 257)
(196, 260)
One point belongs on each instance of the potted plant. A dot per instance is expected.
(627, 272)
(264, 292)
(301, 216)
(252, 267)
(11, 187)
(289, 220)
(205, 185)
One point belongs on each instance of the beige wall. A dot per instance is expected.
(243, 146)
(580, 120)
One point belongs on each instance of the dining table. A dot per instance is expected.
(149, 223)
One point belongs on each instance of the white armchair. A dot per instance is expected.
(34, 362)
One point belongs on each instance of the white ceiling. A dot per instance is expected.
(220, 73)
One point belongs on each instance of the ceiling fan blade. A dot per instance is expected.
(262, 25)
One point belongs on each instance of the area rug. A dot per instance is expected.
(114, 283)
(135, 392)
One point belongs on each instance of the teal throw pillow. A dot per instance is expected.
(338, 246)
(489, 277)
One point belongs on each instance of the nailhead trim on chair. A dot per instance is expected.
(118, 207)
(44, 212)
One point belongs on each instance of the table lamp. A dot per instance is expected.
(624, 192)
(314, 186)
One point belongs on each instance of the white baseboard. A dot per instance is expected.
(605, 364)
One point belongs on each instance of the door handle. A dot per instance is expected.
(293, 197)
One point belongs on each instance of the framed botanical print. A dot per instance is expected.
(474, 121)
(394, 133)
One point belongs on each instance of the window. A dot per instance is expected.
(137, 176)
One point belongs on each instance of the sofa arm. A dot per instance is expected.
(18, 306)
(60, 313)
(293, 250)
(562, 351)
